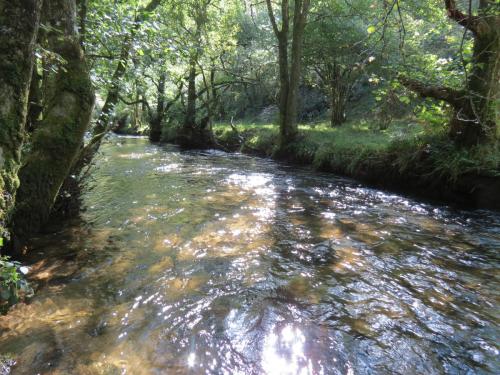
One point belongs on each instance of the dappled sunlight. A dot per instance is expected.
(168, 168)
(136, 155)
(219, 264)
(348, 259)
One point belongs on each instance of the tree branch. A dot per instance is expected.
(446, 94)
(141, 101)
(272, 18)
(171, 102)
(468, 21)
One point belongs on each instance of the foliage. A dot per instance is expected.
(12, 281)
(365, 45)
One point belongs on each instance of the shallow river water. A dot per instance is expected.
(209, 263)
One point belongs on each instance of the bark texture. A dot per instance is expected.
(19, 24)
(66, 117)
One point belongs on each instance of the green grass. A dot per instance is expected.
(358, 148)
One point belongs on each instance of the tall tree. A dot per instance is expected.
(157, 117)
(66, 117)
(475, 108)
(19, 24)
(289, 67)
(102, 125)
(336, 51)
(193, 133)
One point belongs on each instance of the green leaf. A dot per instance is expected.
(404, 99)
(371, 29)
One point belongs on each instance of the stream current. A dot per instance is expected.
(214, 263)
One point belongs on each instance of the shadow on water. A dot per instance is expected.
(208, 263)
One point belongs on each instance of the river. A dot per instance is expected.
(214, 263)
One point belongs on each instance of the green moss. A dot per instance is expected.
(56, 143)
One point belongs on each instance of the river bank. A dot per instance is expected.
(423, 165)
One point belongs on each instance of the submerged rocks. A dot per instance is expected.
(320, 253)
(324, 249)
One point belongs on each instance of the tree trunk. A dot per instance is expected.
(157, 118)
(289, 72)
(286, 135)
(137, 106)
(82, 20)
(338, 117)
(187, 134)
(102, 125)
(475, 115)
(339, 92)
(192, 134)
(290, 128)
(19, 24)
(475, 118)
(190, 116)
(35, 104)
(59, 136)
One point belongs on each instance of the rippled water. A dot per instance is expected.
(194, 263)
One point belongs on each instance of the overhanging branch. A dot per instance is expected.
(446, 94)
(140, 101)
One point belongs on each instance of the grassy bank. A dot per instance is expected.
(405, 157)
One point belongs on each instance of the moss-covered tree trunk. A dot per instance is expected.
(19, 24)
(35, 104)
(476, 112)
(475, 108)
(66, 117)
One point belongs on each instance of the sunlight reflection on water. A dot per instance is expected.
(283, 353)
(207, 263)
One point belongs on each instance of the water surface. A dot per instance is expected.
(209, 263)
